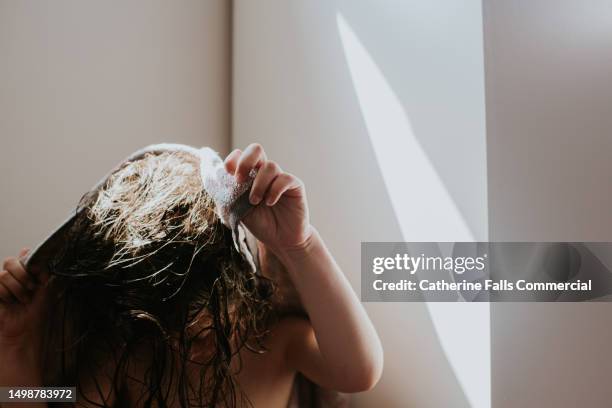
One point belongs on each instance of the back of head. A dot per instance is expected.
(149, 265)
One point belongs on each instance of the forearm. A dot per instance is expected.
(20, 366)
(345, 335)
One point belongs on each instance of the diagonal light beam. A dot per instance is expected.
(425, 211)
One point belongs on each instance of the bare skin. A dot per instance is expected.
(337, 348)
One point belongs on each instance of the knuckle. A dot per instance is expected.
(286, 177)
(295, 180)
(11, 263)
(272, 166)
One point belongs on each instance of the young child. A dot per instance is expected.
(155, 308)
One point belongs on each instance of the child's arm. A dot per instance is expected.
(345, 353)
(341, 349)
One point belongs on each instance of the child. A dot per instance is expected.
(150, 303)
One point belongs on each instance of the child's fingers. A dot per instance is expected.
(23, 257)
(34, 273)
(23, 253)
(15, 267)
(5, 293)
(266, 174)
(252, 157)
(14, 287)
(281, 184)
(231, 161)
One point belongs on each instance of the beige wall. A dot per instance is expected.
(549, 97)
(82, 84)
(379, 107)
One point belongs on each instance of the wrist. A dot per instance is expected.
(294, 254)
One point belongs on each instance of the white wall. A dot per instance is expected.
(83, 84)
(548, 65)
(379, 107)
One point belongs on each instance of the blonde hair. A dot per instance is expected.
(158, 198)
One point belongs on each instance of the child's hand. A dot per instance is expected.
(280, 218)
(22, 296)
(317, 348)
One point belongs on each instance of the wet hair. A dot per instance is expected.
(149, 271)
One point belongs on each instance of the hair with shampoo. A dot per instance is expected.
(147, 276)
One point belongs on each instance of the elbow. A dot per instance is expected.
(364, 378)
(365, 381)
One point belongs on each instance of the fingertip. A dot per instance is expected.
(270, 201)
(228, 167)
(23, 255)
(231, 160)
(233, 153)
(254, 199)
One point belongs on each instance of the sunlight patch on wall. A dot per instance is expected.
(424, 209)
